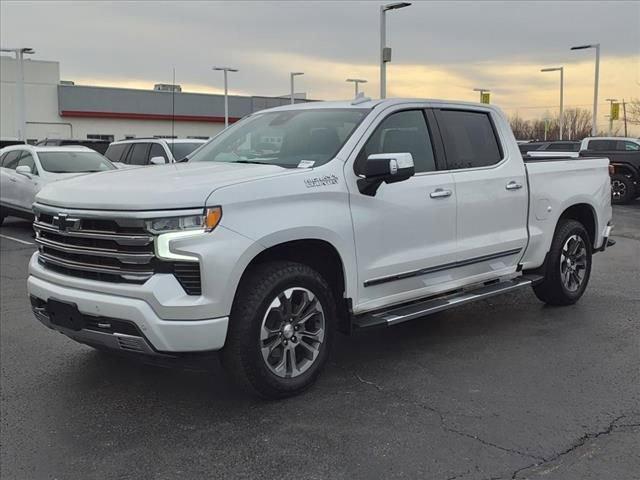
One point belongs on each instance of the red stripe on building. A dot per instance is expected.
(146, 116)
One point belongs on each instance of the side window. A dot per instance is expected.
(114, 152)
(627, 146)
(157, 150)
(601, 145)
(2, 158)
(561, 147)
(27, 159)
(139, 154)
(401, 132)
(11, 160)
(469, 139)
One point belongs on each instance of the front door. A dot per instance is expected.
(491, 192)
(27, 185)
(406, 233)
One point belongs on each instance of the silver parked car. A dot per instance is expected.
(25, 169)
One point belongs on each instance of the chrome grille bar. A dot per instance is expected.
(87, 267)
(134, 258)
(122, 239)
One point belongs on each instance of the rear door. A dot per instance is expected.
(8, 180)
(491, 193)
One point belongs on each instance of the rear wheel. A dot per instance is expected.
(280, 330)
(622, 189)
(568, 265)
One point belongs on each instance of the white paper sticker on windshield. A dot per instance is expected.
(306, 164)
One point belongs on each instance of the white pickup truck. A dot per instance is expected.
(304, 220)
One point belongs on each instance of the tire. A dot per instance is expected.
(622, 189)
(566, 272)
(270, 351)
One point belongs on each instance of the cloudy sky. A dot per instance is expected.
(440, 49)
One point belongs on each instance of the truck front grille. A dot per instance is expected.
(118, 250)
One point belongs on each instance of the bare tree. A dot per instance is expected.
(633, 111)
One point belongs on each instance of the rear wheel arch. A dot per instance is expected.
(586, 215)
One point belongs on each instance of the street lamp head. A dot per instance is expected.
(293, 74)
(484, 90)
(395, 6)
(611, 99)
(358, 80)
(228, 69)
(18, 50)
(552, 69)
(582, 47)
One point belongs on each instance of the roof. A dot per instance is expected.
(373, 103)
(632, 139)
(44, 148)
(160, 140)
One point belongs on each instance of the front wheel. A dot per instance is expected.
(280, 329)
(568, 265)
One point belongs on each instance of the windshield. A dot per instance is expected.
(181, 150)
(74, 162)
(284, 138)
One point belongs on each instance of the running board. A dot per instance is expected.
(403, 313)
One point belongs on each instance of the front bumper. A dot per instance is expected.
(154, 335)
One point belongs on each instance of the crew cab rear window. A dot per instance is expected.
(139, 154)
(469, 139)
(401, 132)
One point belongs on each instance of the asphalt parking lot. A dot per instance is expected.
(503, 389)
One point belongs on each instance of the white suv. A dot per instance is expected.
(149, 151)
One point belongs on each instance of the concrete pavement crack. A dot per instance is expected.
(447, 428)
(577, 444)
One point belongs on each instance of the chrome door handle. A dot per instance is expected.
(440, 193)
(513, 186)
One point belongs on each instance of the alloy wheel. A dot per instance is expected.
(573, 263)
(292, 332)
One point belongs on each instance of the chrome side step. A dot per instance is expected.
(421, 308)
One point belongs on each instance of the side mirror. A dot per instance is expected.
(24, 170)
(387, 168)
(157, 161)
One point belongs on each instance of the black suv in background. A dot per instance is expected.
(624, 155)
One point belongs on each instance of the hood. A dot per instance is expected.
(160, 187)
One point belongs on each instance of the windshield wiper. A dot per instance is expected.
(253, 162)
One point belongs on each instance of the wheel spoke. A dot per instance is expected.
(312, 349)
(269, 347)
(316, 336)
(293, 370)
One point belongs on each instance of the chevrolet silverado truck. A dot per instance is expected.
(302, 221)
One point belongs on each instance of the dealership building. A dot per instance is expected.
(61, 109)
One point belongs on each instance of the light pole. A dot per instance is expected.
(385, 52)
(21, 117)
(482, 92)
(594, 127)
(226, 92)
(611, 100)
(356, 81)
(561, 70)
(293, 95)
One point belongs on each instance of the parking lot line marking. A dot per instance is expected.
(16, 239)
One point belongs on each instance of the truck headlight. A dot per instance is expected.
(207, 220)
(168, 229)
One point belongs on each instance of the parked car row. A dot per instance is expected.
(25, 169)
(622, 152)
(305, 220)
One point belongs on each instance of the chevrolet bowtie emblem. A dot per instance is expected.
(64, 223)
